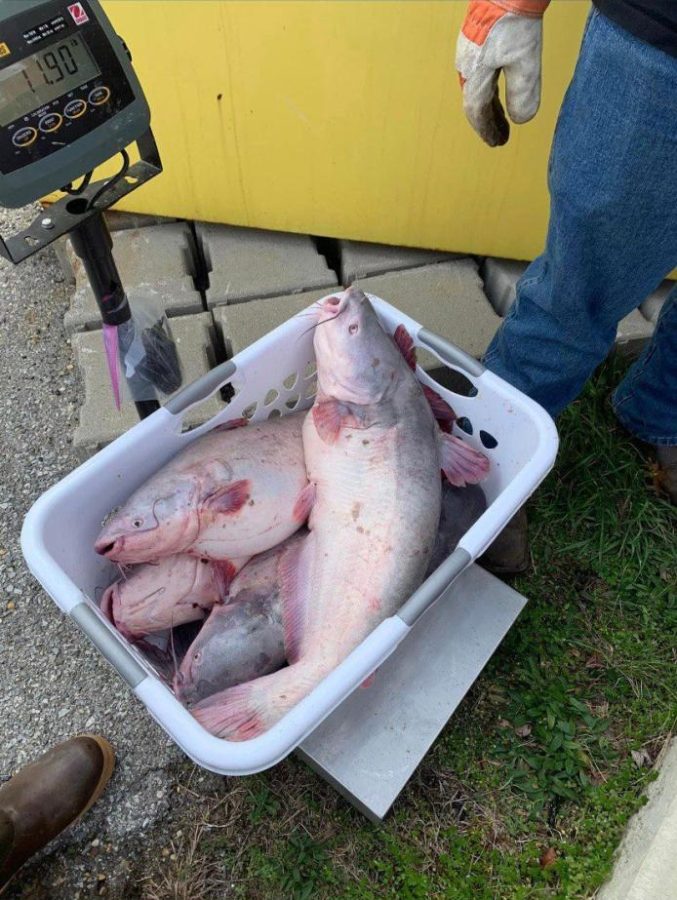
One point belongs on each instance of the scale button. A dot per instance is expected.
(98, 95)
(24, 137)
(50, 122)
(75, 109)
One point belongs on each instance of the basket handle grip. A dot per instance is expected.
(434, 586)
(201, 389)
(101, 636)
(450, 353)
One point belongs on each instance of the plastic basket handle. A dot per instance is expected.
(116, 654)
(450, 353)
(434, 586)
(201, 389)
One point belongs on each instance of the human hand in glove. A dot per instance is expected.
(507, 35)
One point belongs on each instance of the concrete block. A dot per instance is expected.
(100, 422)
(61, 248)
(360, 259)
(154, 264)
(651, 308)
(121, 221)
(633, 332)
(646, 862)
(500, 277)
(240, 324)
(447, 298)
(247, 264)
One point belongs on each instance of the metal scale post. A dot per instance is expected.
(70, 101)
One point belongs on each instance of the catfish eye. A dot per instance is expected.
(137, 523)
(353, 328)
(197, 656)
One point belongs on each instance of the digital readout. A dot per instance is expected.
(38, 79)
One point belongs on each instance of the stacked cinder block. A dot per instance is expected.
(254, 280)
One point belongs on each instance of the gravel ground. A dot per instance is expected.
(55, 684)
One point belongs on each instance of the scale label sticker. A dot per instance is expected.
(78, 13)
(4, 49)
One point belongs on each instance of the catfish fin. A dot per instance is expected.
(304, 504)
(228, 499)
(329, 416)
(460, 462)
(294, 570)
(444, 414)
(405, 344)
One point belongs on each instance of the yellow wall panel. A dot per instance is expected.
(340, 118)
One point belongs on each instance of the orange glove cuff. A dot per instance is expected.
(533, 8)
(482, 15)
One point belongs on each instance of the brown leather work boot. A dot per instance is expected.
(48, 796)
(509, 553)
(666, 457)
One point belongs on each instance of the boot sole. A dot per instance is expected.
(108, 755)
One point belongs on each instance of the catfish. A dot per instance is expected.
(243, 638)
(374, 452)
(231, 494)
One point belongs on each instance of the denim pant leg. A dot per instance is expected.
(648, 393)
(612, 235)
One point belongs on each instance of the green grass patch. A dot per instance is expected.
(528, 790)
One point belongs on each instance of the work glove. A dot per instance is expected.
(507, 35)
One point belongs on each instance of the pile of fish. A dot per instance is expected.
(292, 539)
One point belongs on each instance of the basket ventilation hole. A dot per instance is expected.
(488, 440)
(249, 411)
(290, 381)
(292, 402)
(310, 369)
(274, 414)
(464, 424)
(453, 381)
(311, 389)
(271, 397)
(227, 392)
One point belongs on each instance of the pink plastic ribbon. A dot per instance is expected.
(110, 342)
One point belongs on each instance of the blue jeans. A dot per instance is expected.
(612, 237)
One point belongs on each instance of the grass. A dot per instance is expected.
(528, 790)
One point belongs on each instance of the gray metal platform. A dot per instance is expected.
(370, 746)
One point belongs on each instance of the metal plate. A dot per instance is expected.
(370, 746)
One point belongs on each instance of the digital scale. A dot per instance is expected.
(70, 101)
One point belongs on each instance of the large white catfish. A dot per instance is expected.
(374, 453)
(229, 495)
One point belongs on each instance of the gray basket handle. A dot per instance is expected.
(201, 389)
(99, 634)
(450, 353)
(434, 586)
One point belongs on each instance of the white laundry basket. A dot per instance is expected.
(272, 377)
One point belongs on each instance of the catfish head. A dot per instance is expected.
(357, 362)
(153, 523)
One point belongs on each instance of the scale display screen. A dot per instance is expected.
(47, 74)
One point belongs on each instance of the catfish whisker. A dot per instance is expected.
(322, 322)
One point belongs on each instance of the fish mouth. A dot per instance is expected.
(332, 307)
(183, 689)
(109, 602)
(109, 548)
